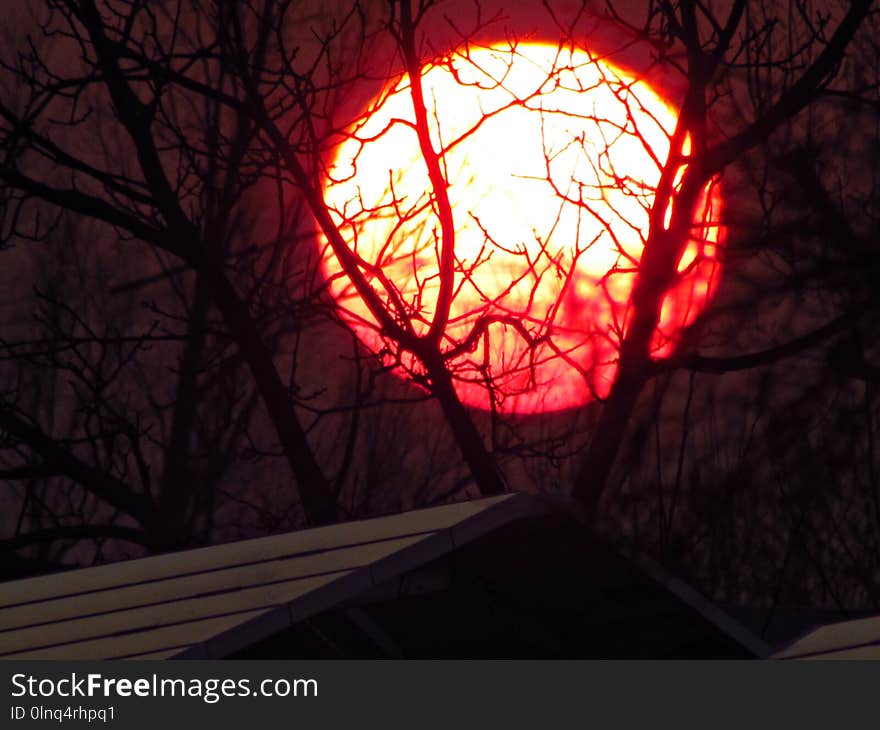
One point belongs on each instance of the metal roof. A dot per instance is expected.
(209, 602)
(855, 639)
(227, 599)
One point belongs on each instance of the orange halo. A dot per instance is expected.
(552, 158)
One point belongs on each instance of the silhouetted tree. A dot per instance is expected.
(208, 135)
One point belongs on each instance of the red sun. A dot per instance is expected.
(552, 158)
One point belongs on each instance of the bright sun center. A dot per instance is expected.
(552, 158)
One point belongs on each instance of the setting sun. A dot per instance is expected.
(552, 158)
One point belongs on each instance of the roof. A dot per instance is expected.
(854, 639)
(542, 586)
(781, 624)
(501, 577)
(211, 601)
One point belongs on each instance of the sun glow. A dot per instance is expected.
(552, 159)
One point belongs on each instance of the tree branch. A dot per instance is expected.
(106, 487)
(796, 97)
(721, 365)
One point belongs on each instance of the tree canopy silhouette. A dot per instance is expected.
(262, 175)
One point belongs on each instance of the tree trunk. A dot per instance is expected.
(468, 439)
(318, 501)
